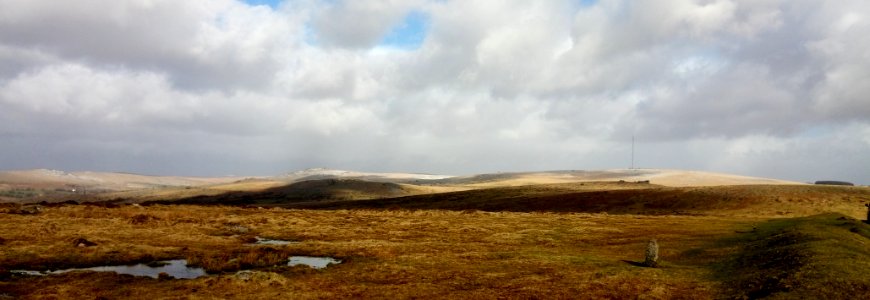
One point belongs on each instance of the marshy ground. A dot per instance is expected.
(739, 245)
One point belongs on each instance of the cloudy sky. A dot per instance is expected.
(773, 88)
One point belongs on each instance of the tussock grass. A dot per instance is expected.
(385, 253)
(237, 259)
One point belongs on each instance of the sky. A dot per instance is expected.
(769, 88)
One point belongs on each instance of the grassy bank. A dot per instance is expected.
(818, 257)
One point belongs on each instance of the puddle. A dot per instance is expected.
(178, 268)
(28, 272)
(312, 261)
(264, 241)
(175, 268)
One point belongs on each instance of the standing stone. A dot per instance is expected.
(868, 213)
(652, 254)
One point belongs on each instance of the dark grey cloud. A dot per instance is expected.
(215, 87)
(197, 44)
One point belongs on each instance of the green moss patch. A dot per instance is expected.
(818, 257)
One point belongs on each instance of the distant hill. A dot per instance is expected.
(633, 198)
(673, 178)
(310, 191)
(102, 180)
(53, 185)
(44, 183)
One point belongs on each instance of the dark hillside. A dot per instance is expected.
(631, 198)
(305, 191)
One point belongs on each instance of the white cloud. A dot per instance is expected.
(329, 117)
(358, 23)
(705, 84)
(75, 91)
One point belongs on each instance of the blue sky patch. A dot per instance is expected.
(271, 3)
(585, 3)
(410, 33)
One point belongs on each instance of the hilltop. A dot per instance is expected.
(54, 185)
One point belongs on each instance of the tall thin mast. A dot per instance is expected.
(632, 151)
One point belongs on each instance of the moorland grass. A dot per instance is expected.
(547, 241)
(771, 201)
(817, 257)
(395, 254)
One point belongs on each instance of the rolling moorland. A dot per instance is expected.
(564, 234)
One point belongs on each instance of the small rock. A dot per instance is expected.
(163, 276)
(82, 242)
(244, 275)
(238, 229)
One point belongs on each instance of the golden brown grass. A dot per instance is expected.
(432, 253)
(542, 241)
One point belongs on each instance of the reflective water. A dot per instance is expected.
(175, 268)
(312, 261)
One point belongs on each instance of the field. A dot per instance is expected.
(551, 240)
